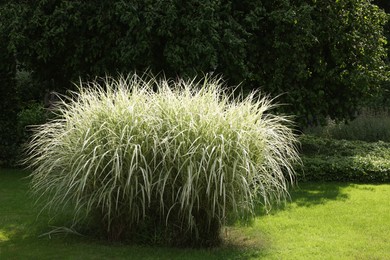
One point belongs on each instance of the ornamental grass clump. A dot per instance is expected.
(174, 159)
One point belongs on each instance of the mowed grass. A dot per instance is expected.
(328, 221)
(322, 221)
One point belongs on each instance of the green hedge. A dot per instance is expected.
(340, 160)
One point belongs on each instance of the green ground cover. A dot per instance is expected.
(322, 221)
(326, 159)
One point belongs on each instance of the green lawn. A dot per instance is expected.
(322, 221)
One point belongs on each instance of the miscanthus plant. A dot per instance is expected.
(173, 158)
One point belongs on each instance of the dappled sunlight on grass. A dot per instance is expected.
(241, 237)
(4, 236)
(11, 231)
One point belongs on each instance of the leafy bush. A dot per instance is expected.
(340, 160)
(177, 162)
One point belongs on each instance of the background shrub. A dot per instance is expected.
(371, 125)
(327, 159)
(176, 163)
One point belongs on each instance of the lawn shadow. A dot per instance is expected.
(22, 236)
(23, 241)
(318, 193)
(308, 194)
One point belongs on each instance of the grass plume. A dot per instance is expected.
(187, 156)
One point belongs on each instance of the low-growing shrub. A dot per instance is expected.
(327, 159)
(166, 159)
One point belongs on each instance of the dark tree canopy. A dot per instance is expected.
(384, 4)
(323, 57)
(8, 100)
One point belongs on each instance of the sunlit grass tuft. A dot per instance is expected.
(186, 157)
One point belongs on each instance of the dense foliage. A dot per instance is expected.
(384, 97)
(8, 104)
(340, 160)
(323, 56)
(178, 162)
